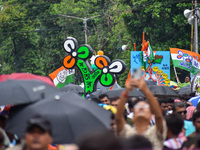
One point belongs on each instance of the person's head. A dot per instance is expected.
(132, 101)
(183, 98)
(180, 108)
(174, 124)
(187, 79)
(104, 99)
(38, 133)
(99, 140)
(163, 106)
(113, 123)
(115, 102)
(141, 110)
(196, 120)
(170, 103)
(137, 142)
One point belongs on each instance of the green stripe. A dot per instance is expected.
(187, 66)
(69, 79)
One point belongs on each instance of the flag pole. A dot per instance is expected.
(176, 75)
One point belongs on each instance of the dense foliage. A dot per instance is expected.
(32, 31)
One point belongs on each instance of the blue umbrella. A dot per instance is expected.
(194, 100)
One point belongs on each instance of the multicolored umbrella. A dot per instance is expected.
(26, 76)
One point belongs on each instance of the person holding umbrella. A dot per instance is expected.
(142, 115)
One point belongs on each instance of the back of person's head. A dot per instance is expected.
(174, 123)
(195, 116)
(132, 103)
(178, 104)
(192, 94)
(137, 142)
(170, 100)
(99, 140)
(162, 100)
(102, 96)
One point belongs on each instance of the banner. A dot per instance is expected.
(62, 76)
(186, 60)
(157, 70)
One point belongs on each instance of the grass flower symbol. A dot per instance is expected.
(109, 70)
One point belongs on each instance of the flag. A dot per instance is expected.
(150, 53)
(147, 53)
(129, 77)
(62, 76)
(186, 60)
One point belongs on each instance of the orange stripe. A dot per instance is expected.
(54, 74)
(175, 51)
(129, 77)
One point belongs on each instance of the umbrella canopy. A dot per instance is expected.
(95, 95)
(26, 76)
(194, 100)
(150, 83)
(162, 91)
(24, 91)
(72, 87)
(70, 115)
(117, 93)
(185, 90)
(104, 88)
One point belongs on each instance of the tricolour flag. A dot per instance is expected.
(186, 60)
(147, 52)
(62, 76)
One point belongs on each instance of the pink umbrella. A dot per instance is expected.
(26, 76)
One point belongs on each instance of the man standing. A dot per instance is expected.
(174, 126)
(196, 123)
(38, 134)
(142, 116)
(180, 108)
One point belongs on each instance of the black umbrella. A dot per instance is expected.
(117, 93)
(95, 95)
(149, 83)
(24, 91)
(162, 91)
(185, 90)
(72, 87)
(71, 116)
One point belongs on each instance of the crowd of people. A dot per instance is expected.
(136, 123)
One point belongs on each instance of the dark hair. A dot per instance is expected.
(132, 103)
(192, 94)
(162, 101)
(174, 123)
(99, 140)
(112, 116)
(195, 115)
(103, 95)
(170, 100)
(178, 104)
(137, 142)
